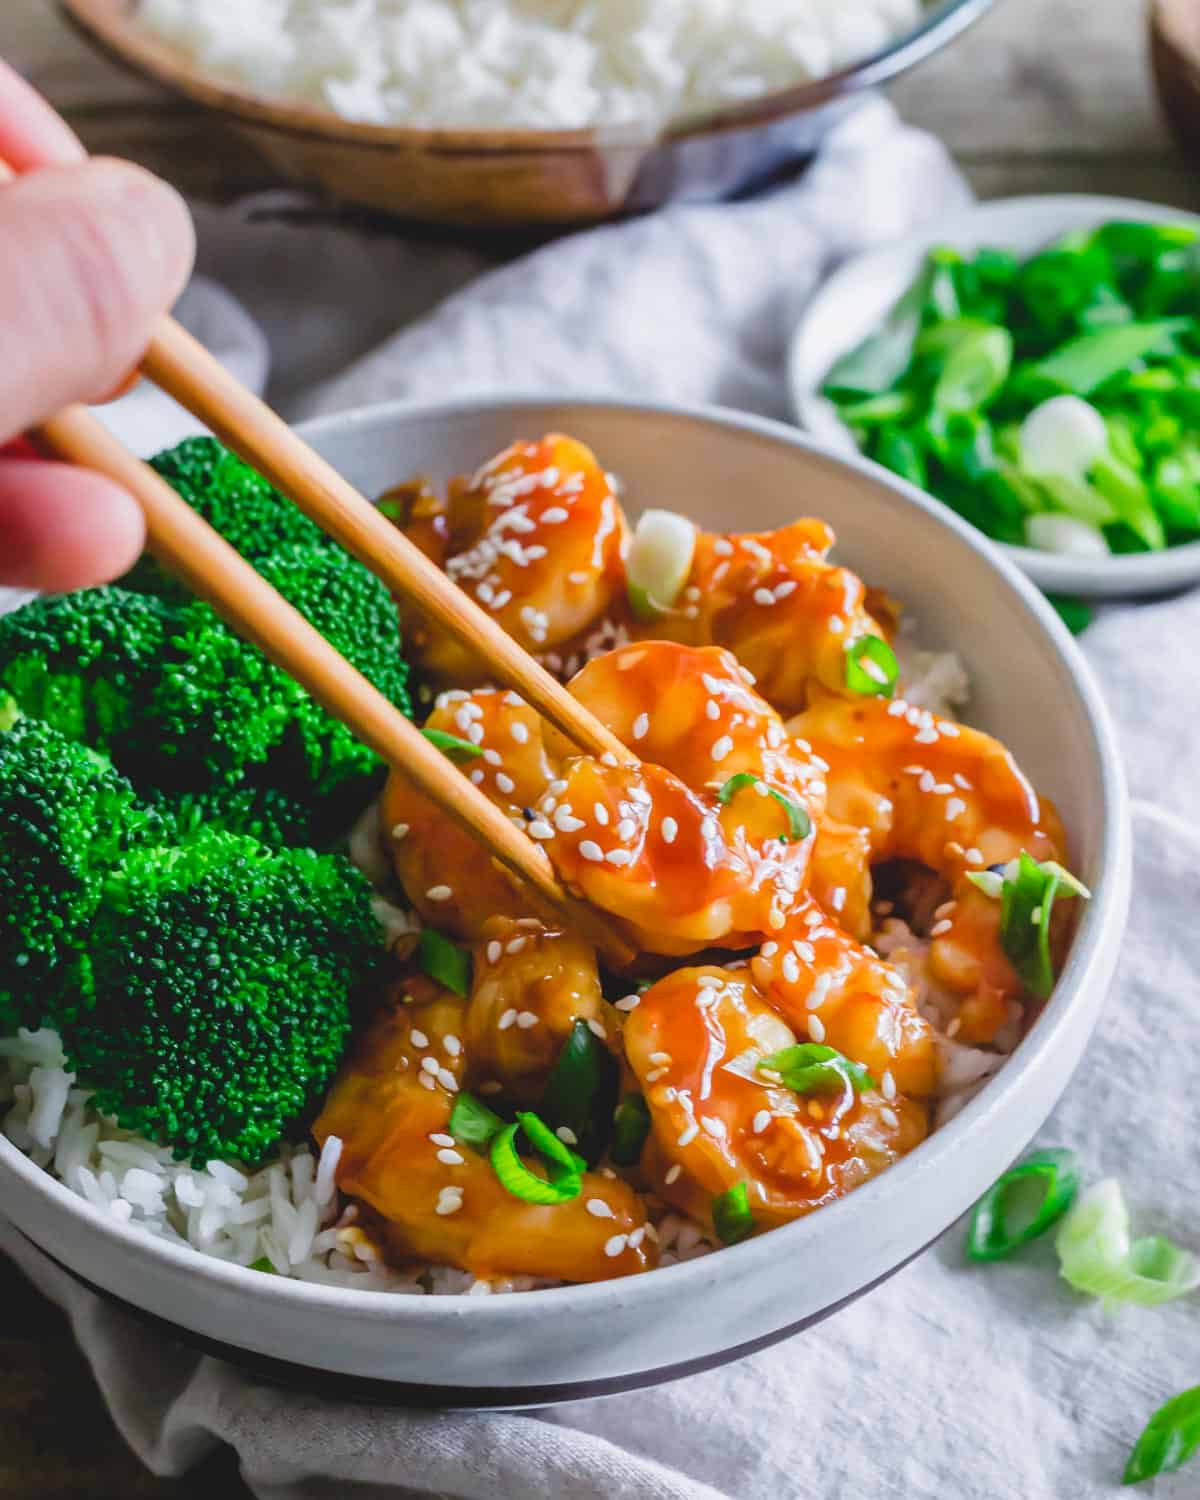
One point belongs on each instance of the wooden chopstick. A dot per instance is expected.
(184, 368)
(208, 565)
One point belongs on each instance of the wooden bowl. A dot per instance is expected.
(1175, 57)
(520, 179)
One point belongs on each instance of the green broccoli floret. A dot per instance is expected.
(246, 509)
(65, 817)
(262, 813)
(85, 662)
(211, 1002)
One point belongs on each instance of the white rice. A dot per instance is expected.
(543, 64)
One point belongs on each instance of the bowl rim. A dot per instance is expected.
(108, 24)
(1119, 573)
(1104, 915)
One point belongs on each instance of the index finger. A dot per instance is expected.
(31, 134)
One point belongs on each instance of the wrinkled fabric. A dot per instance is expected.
(950, 1382)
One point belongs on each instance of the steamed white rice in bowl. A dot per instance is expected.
(286, 1216)
(524, 64)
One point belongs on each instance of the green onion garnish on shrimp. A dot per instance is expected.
(813, 1068)
(731, 1214)
(871, 667)
(451, 745)
(799, 822)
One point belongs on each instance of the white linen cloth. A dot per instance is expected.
(950, 1382)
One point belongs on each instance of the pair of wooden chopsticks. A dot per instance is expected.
(211, 568)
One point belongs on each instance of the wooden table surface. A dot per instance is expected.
(1042, 96)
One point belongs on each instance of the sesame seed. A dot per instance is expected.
(565, 822)
(427, 1080)
(926, 737)
(973, 857)
(763, 596)
(655, 1074)
(597, 1029)
(670, 829)
(506, 1020)
(515, 945)
(888, 1085)
(955, 806)
(672, 1174)
(619, 857)
(494, 950)
(776, 919)
(609, 759)
(599, 1209)
(440, 1138)
(640, 726)
(601, 813)
(714, 1126)
(816, 1028)
(567, 1135)
(399, 830)
(722, 547)
(520, 732)
(722, 748)
(689, 1134)
(819, 993)
(419, 1039)
(449, 1201)
(556, 515)
(591, 850)
(614, 1246)
(439, 893)
(452, 1045)
(447, 1080)
(540, 829)
(450, 1158)
(638, 1235)
(505, 783)
(626, 828)
(526, 1019)
(791, 968)
(430, 1065)
(889, 1117)
(628, 1003)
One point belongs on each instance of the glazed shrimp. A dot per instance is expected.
(655, 842)
(831, 989)
(951, 798)
(776, 602)
(694, 1041)
(390, 1107)
(536, 538)
(450, 883)
(531, 984)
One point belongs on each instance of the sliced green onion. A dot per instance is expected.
(1026, 905)
(1097, 1256)
(473, 1123)
(631, 1126)
(1064, 435)
(799, 822)
(516, 1178)
(731, 1214)
(990, 882)
(444, 961)
(582, 1091)
(557, 1155)
(813, 1068)
(1023, 1204)
(1170, 1438)
(264, 1265)
(659, 561)
(1076, 614)
(450, 744)
(871, 667)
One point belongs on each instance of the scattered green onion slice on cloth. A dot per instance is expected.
(813, 1068)
(563, 1182)
(1098, 1256)
(1169, 1439)
(450, 744)
(473, 1123)
(1023, 1204)
(871, 667)
(444, 961)
(799, 822)
(659, 561)
(731, 1214)
(631, 1126)
(581, 1091)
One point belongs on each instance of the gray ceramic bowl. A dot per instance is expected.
(1030, 685)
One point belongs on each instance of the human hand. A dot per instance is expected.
(92, 252)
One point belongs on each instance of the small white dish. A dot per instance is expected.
(1030, 685)
(856, 297)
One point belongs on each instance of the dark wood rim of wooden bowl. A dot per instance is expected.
(109, 25)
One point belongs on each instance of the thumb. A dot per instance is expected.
(91, 255)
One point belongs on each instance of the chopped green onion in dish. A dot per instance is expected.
(472, 1123)
(264, 1265)
(631, 1126)
(813, 1068)
(1169, 1440)
(1075, 614)
(1027, 1201)
(563, 1180)
(1064, 387)
(1027, 892)
(582, 1090)
(799, 822)
(732, 1218)
(871, 667)
(444, 961)
(450, 744)
(1098, 1256)
(659, 561)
